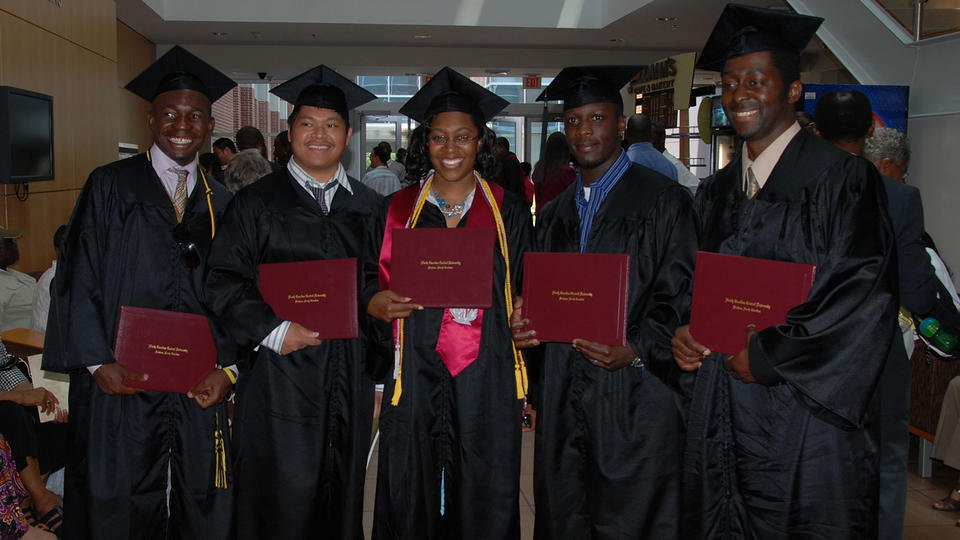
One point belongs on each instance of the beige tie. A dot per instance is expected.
(752, 185)
(180, 193)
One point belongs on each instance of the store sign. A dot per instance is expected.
(674, 73)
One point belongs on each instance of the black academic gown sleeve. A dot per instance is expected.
(845, 231)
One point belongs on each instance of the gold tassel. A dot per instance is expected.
(397, 387)
(220, 450)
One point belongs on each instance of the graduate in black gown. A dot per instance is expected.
(782, 435)
(138, 236)
(609, 416)
(450, 422)
(304, 406)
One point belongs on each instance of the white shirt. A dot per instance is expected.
(274, 340)
(16, 299)
(686, 178)
(397, 168)
(41, 302)
(162, 164)
(382, 180)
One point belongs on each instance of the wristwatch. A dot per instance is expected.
(638, 363)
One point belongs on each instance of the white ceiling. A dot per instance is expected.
(284, 37)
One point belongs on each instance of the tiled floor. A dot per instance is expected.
(920, 523)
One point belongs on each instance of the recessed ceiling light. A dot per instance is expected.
(666, 19)
(220, 34)
(499, 72)
(255, 34)
(422, 36)
(617, 40)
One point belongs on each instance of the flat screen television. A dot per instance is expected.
(718, 117)
(26, 136)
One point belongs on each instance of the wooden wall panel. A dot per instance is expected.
(135, 53)
(71, 54)
(83, 85)
(38, 217)
(87, 23)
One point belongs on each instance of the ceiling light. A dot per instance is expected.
(256, 35)
(220, 34)
(498, 72)
(666, 19)
(422, 36)
(617, 40)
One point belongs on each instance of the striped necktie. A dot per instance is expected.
(180, 193)
(320, 193)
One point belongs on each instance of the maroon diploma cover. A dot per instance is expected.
(731, 292)
(577, 295)
(319, 295)
(175, 349)
(444, 268)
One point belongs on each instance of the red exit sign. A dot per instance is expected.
(531, 83)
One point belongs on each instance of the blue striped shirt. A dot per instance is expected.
(599, 190)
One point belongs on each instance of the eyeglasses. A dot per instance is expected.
(189, 252)
(459, 140)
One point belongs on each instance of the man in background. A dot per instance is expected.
(380, 178)
(225, 150)
(281, 149)
(16, 288)
(844, 118)
(684, 176)
(41, 302)
(638, 136)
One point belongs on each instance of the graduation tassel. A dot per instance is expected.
(220, 451)
(398, 364)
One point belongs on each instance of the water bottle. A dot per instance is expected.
(943, 340)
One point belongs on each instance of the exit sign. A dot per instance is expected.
(531, 83)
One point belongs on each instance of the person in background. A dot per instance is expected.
(402, 156)
(250, 137)
(143, 464)
(245, 168)
(684, 176)
(844, 118)
(395, 167)
(379, 178)
(781, 436)
(554, 174)
(17, 289)
(38, 448)
(211, 166)
(41, 302)
(281, 148)
(528, 190)
(13, 522)
(304, 406)
(509, 175)
(225, 150)
(638, 135)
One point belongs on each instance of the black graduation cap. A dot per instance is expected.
(177, 69)
(581, 85)
(323, 88)
(743, 30)
(450, 91)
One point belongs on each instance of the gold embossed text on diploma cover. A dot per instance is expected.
(731, 292)
(444, 268)
(577, 295)
(175, 349)
(321, 295)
